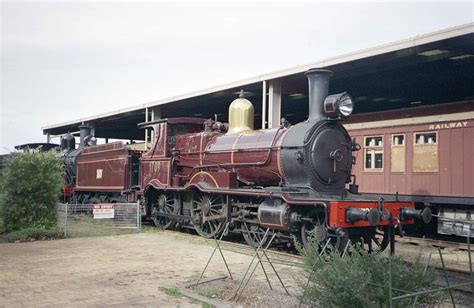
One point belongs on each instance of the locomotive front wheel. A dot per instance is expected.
(165, 203)
(206, 213)
(315, 229)
(379, 240)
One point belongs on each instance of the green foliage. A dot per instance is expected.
(2, 227)
(361, 279)
(208, 293)
(37, 233)
(174, 292)
(30, 185)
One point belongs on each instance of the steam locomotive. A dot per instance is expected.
(202, 174)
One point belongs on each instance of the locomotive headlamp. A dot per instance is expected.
(339, 105)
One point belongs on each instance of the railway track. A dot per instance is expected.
(276, 256)
(455, 275)
(435, 243)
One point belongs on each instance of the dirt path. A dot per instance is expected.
(117, 270)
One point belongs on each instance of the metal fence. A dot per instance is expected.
(98, 219)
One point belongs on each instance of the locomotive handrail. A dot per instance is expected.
(272, 147)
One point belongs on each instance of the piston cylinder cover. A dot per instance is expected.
(276, 214)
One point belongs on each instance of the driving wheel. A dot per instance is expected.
(206, 212)
(166, 203)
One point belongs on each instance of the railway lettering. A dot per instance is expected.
(448, 125)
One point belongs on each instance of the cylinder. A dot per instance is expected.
(273, 214)
(318, 88)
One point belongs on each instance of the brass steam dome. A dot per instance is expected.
(240, 115)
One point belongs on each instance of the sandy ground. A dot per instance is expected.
(131, 270)
(126, 270)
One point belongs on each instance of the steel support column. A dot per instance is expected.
(146, 129)
(274, 104)
(155, 115)
(264, 104)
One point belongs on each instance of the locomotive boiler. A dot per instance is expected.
(294, 179)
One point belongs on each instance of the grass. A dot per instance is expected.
(77, 226)
(208, 293)
(35, 233)
(195, 277)
(150, 229)
(173, 292)
(85, 226)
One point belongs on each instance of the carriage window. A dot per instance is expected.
(425, 152)
(425, 138)
(397, 154)
(373, 153)
(374, 141)
(398, 140)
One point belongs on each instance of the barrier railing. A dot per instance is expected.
(98, 219)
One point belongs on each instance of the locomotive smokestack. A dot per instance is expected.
(318, 86)
(84, 131)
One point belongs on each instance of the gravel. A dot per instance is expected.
(256, 294)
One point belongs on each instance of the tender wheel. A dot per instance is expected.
(206, 207)
(253, 235)
(164, 203)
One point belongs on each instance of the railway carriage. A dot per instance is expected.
(425, 156)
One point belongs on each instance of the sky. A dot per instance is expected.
(61, 61)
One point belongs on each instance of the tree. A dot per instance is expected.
(30, 185)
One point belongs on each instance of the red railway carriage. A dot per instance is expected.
(424, 155)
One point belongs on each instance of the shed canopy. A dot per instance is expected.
(436, 68)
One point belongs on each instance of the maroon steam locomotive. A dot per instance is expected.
(201, 174)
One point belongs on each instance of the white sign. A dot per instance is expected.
(102, 211)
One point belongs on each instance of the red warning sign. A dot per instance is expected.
(102, 211)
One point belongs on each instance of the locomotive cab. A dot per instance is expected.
(158, 164)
